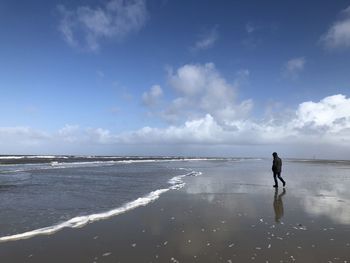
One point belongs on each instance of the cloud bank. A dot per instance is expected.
(326, 122)
(86, 26)
(205, 113)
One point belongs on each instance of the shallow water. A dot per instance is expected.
(34, 196)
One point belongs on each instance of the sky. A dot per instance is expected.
(174, 78)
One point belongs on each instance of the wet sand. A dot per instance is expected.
(216, 217)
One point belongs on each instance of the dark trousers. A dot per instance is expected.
(279, 177)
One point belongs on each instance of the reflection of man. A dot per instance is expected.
(277, 169)
(278, 205)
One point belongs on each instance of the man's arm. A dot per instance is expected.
(274, 165)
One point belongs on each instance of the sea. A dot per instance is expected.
(226, 208)
(44, 194)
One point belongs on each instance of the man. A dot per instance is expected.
(277, 169)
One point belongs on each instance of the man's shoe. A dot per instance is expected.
(275, 185)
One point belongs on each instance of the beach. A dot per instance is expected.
(227, 212)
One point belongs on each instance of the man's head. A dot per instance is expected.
(274, 155)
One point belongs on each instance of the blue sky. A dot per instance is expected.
(156, 77)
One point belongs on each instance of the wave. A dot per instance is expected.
(80, 221)
(62, 165)
(69, 164)
(119, 158)
(112, 162)
(16, 157)
(27, 167)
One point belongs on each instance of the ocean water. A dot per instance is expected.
(43, 194)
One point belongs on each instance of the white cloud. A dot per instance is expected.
(197, 131)
(327, 120)
(329, 111)
(69, 133)
(100, 136)
(21, 137)
(294, 67)
(190, 79)
(206, 40)
(67, 24)
(202, 90)
(323, 122)
(321, 128)
(85, 27)
(152, 97)
(25, 132)
(338, 35)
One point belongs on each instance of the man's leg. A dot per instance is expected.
(275, 179)
(279, 177)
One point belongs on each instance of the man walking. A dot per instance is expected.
(277, 169)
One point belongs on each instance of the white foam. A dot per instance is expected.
(112, 162)
(99, 163)
(12, 157)
(80, 221)
(81, 164)
(31, 156)
(63, 165)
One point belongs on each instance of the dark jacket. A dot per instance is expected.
(277, 165)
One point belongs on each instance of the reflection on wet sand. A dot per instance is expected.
(278, 205)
